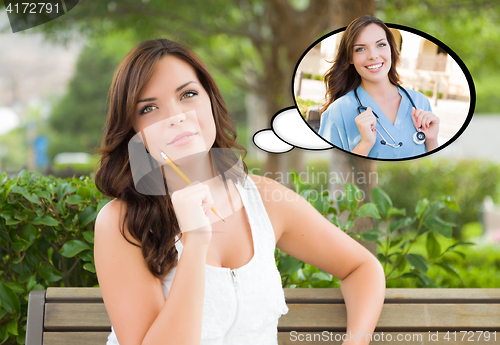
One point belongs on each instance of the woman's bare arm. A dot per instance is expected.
(301, 231)
(134, 298)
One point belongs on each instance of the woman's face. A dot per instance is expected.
(371, 54)
(174, 113)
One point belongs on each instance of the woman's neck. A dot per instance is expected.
(383, 90)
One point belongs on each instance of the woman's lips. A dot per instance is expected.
(182, 139)
(378, 67)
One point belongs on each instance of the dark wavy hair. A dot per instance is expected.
(151, 219)
(342, 77)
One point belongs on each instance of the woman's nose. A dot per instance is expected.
(372, 53)
(175, 120)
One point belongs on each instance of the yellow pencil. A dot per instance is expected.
(185, 178)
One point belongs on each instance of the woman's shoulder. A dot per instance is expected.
(109, 220)
(342, 104)
(272, 193)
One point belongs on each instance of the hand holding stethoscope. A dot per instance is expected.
(426, 121)
(366, 123)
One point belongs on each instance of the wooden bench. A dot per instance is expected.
(71, 316)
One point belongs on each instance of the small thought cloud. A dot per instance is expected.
(288, 130)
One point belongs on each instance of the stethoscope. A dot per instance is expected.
(418, 137)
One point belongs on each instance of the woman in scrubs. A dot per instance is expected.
(365, 66)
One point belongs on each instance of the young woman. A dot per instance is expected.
(170, 271)
(367, 111)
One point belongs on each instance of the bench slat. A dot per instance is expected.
(74, 338)
(287, 338)
(322, 295)
(411, 317)
(317, 317)
(390, 338)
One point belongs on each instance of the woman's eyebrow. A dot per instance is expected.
(183, 86)
(176, 90)
(362, 44)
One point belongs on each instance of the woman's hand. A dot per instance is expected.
(366, 123)
(428, 121)
(191, 206)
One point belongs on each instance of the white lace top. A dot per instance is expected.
(242, 306)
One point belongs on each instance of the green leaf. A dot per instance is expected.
(49, 274)
(382, 201)
(402, 265)
(19, 190)
(32, 198)
(433, 246)
(372, 235)
(461, 243)
(12, 327)
(369, 210)
(74, 199)
(73, 247)
(462, 255)
(21, 338)
(88, 215)
(89, 267)
(392, 212)
(45, 220)
(449, 268)
(318, 276)
(426, 281)
(89, 236)
(9, 299)
(44, 194)
(83, 192)
(31, 282)
(451, 203)
(16, 287)
(401, 223)
(28, 233)
(20, 244)
(353, 195)
(349, 225)
(353, 234)
(433, 207)
(86, 256)
(289, 265)
(421, 206)
(437, 225)
(418, 262)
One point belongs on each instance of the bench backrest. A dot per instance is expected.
(74, 316)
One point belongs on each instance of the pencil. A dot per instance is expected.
(185, 178)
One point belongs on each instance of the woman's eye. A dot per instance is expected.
(382, 45)
(189, 94)
(358, 50)
(147, 109)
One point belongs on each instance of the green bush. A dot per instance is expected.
(46, 239)
(469, 181)
(307, 75)
(394, 248)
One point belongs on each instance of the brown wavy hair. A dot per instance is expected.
(342, 77)
(151, 219)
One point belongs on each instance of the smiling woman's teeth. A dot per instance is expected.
(374, 66)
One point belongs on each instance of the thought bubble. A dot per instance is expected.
(435, 80)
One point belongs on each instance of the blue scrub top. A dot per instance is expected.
(339, 127)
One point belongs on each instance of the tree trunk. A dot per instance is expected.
(294, 31)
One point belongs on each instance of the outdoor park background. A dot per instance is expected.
(54, 81)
